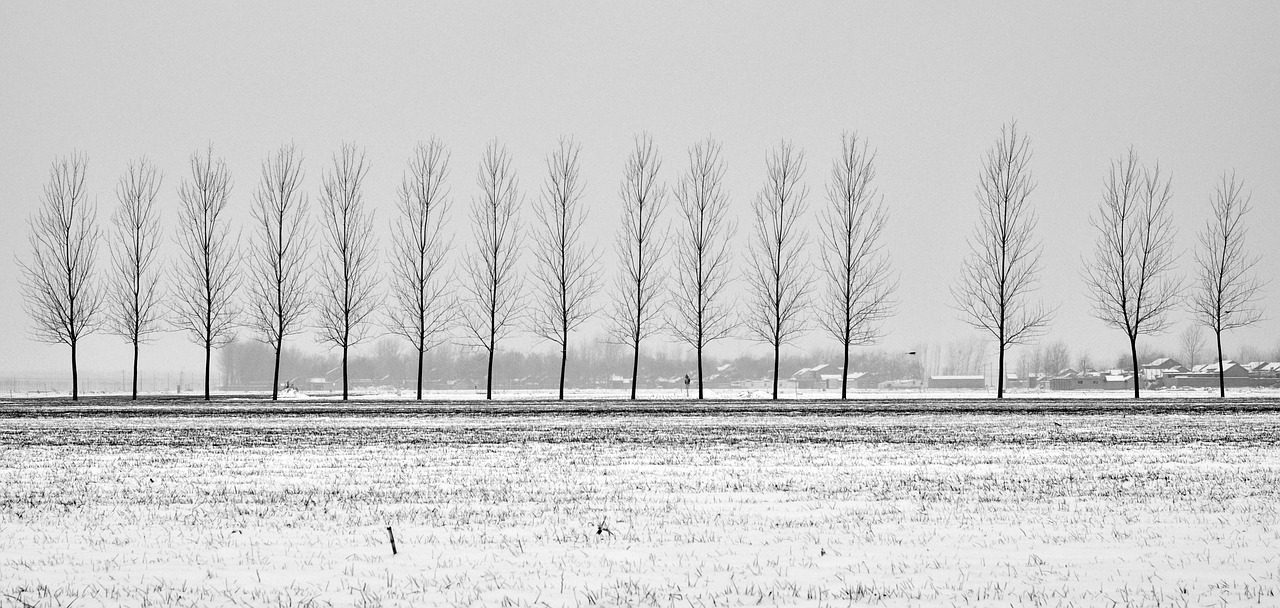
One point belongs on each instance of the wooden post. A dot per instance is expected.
(393, 540)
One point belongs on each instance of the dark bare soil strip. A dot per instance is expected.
(252, 406)
(957, 424)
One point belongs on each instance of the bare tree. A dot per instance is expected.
(1031, 361)
(1130, 275)
(565, 264)
(858, 279)
(1191, 344)
(966, 355)
(1003, 266)
(278, 255)
(206, 280)
(699, 313)
(1227, 291)
(423, 305)
(135, 312)
(59, 289)
(1084, 361)
(1057, 357)
(779, 277)
(1246, 353)
(641, 244)
(349, 275)
(493, 307)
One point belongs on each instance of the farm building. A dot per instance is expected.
(904, 383)
(827, 376)
(1255, 367)
(857, 380)
(1034, 380)
(1070, 380)
(957, 382)
(1159, 368)
(811, 377)
(1234, 376)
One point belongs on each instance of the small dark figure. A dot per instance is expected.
(687, 380)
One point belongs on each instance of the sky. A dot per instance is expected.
(1191, 86)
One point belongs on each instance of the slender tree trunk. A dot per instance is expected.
(844, 376)
(699, 372)
(135, 371)
(1222, 374)
(635, 370)
(208, 364)
(421, 356)
(1133, 353)
(776, 349)
(1000, 375)
(75, 374)
(493, 346)
(344, 373)
(275, 377)
(488, 385)
(564, 360)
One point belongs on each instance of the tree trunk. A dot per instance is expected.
(488, 383)
(275, 377)
(564, 360)
(75, 374)
(421, 356)
(1222, 374)
(844, 376)
(635, 371)
(1000, 375)
(777, 348)
(699, 372)
(1133, 354)
(135, 371)
(208, 364)
(344, 373)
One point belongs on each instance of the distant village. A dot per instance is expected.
(1164, 372)
(244, 366)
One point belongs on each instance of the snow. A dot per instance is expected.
(204, 506)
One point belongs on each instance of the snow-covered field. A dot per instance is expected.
(899, 503)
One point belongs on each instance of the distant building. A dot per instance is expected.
(1071, 380)
(1036, 380)
(828, 377)
(857, 380)
(1229, 368)
(1234, 375)
(1117, 382)
(1254, 367)
(956, 382)
(810, 377)
(905, 383)
(1157, 369)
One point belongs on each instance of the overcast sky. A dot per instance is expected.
(1193, 86)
